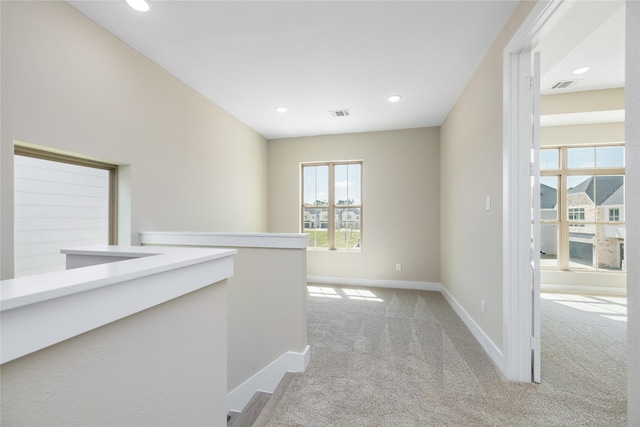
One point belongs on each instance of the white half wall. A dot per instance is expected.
(150, 368)
(267, 305)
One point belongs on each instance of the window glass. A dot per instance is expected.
(609, 247)
(609, 157)
(549, 245)
(593, 202)
(590, 232)
(580, 195)
(347, 194)
(316, 185)
(576, 214)
(580, 158)
(347, 223)
(347, 184)
(579, 183)
(549, 198)
(315, 224)
(581, 255)
(609, 193)
(549, 159)
(333, 220)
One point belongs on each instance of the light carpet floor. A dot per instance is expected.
(404, 358)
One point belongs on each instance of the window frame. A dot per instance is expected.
(563, 222)
(331, 204)
(26, 151)
(575, 214)
(614, 215)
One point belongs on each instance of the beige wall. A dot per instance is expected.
(150, 369)
(400, 196)
(596, 133)
(70, 85)
(582, 102)
(267, 309)
(471, 169)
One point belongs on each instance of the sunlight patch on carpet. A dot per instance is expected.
(613, 308)
(323, 292)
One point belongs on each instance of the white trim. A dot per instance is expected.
(268, 378)
(231, 240)
(632, 247)
(39, 311)
(517, 110)
(487, 344)
(28, 290)
(392, 284)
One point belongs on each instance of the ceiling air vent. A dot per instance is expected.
(563, 84)
(340, 113)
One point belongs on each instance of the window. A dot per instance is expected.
(576, 214)
(614, 214)
(581, 195)
(59, 202)
(332, 205)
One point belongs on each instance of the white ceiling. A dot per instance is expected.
(315, 56)
(590, 34)
(250, 57)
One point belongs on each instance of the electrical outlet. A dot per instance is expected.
(398, 267)
(482, 306)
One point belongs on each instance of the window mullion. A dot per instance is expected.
(331, 232)
(113, 206)
(563, 244)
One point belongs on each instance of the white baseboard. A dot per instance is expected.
(487, 344)
(582, 290)
(268, 378)
(393, 284)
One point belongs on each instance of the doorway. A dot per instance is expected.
(519, 300)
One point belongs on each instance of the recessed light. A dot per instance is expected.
(581, 70)
(281, 109)
(394, 98)
(139, 5)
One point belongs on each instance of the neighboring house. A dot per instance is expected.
(316, 217)
(611, 236)
(345, 218)
(548, 203)
(348, 218)
(594, 209)
(548, 212)
(311, 218)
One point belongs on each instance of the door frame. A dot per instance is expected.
(543, 14)
(517, 141)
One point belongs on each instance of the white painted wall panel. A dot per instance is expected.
(56, 205)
